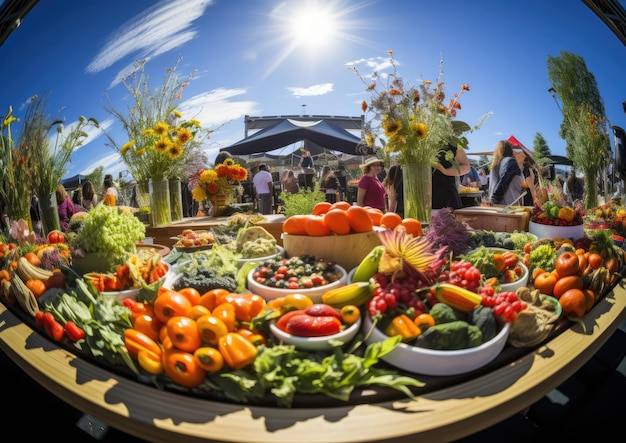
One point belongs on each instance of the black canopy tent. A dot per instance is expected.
(320, 135)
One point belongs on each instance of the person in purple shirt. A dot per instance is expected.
(66, 207)
(371, 191)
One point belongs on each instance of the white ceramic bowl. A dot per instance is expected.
(315, 294)
(549, 231)
(316, 343)
(132, 293)
(433, 362)
(280, 252)
(520, 283)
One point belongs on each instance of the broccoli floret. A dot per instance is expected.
(204, 280)
(443, 313)
(450, 336)
(474, 336)
(483, 317)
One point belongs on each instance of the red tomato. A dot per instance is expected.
(56, 236)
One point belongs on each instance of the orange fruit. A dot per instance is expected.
(341, 205)
(564, 284)
(375, 215)
(316, 226)
(412, 226)
(192, 295)
(321, 208)
(337, 221)
(573, 302)
(294, 225)
(390, 220)
(360, 219)
(590, 299)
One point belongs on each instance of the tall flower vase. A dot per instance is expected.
(160, 203)
(143, 193)
(49, 213)
(219, 205)
(176, 200)
(417, 182)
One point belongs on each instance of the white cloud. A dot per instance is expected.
(311, 91)
(160, 28)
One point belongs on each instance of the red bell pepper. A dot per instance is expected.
(74, 332)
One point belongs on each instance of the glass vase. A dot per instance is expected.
(219, 205)
(417, 181)
(160, 203)
(49, 213)
(176, 200)
(143, 193)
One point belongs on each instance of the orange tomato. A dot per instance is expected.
(316, 226)
(170, 304)
(183, 368)
(563, 284)
(545, 282)
(36, 286)
(321, 208)
(198, 311)
(341, 205)
(149, 325)
(573, 302)
(294, 225)
(376, 215)
(567, 264)
(412, 226)
(184, 333)
(594, 260)
(32, 258)
(208, 358)
(213, 297)
(192, 295)
(390, 220)
(337, 221)
(590, 298)
(360, 220)
(537, 271)
(4, 275)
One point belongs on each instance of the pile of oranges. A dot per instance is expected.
(341, 218)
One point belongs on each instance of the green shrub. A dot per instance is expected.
(302, 202)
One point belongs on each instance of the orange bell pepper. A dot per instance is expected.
(403, 326)
(247, 306)
(237, 351)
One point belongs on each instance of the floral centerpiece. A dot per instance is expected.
(414, 126)
(216, 184)
(160, 141)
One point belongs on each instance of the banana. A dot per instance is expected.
(369, 265)
(26, 270)
(357, 294)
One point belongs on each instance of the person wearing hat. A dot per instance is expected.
(264, 187)
(371, 191)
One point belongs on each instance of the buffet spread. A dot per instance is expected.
(395, 360)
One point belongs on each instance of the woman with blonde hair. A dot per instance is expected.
(505, 179)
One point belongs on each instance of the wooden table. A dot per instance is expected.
(442, 415)
(164, 235)
(494, 218)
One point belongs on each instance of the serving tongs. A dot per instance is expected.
(507, 208)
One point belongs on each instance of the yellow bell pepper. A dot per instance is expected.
(403, 326)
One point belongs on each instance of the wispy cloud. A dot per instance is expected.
(156, 30)
(311, 91)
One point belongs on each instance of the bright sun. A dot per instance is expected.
(311, 27)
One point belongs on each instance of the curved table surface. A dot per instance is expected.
(442, 415)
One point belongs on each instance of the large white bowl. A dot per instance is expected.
(549, 231)
(432, 362)
(520, 283)
(316, 343)
(315, 294)
(132, 293)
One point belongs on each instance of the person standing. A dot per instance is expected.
(505, 179)
(90, 198)
(371, 191)
(394, 188)
(306, 161)
(65, 207)
(330, 184)
(573, 188)
(445, 176)
(290, 184)
(109, 191)
(483, 178)
(264, 189)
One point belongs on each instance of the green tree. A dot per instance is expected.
(541, 150)
(584, 126)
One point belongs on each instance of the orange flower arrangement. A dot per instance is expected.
(208, 183)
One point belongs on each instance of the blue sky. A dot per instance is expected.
(251, 59)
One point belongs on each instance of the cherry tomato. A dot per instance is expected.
(208, 358)
(55, 236)
(350, 314)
